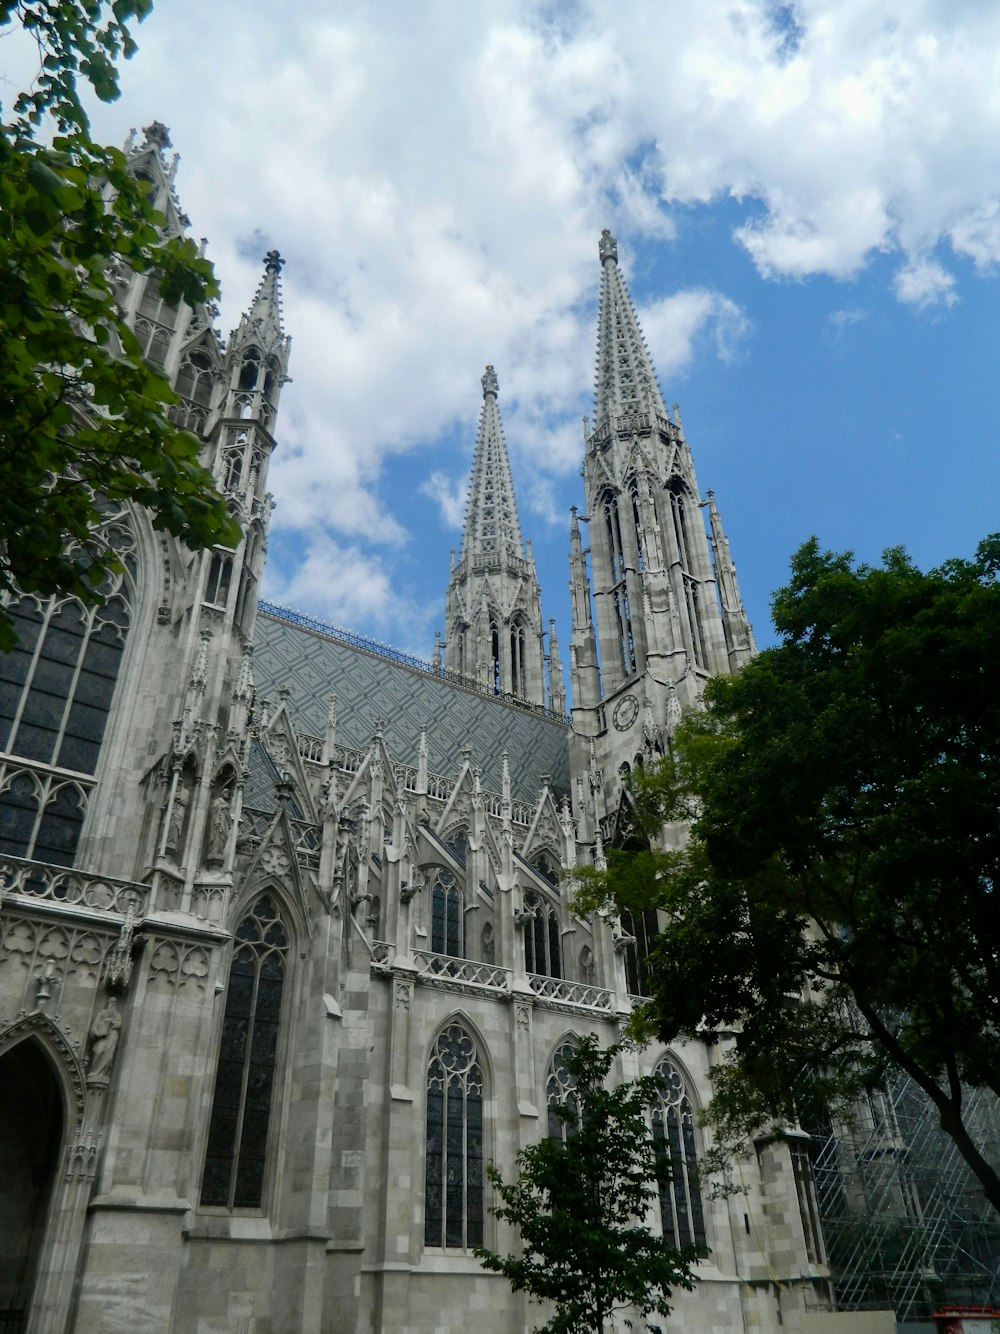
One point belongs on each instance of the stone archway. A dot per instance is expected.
(32, 1123)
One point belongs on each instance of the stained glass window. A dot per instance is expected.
(453, 1184)
(681, 1212)
(244, 1082)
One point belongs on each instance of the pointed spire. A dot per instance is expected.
(491, 526)
(626, 381)
(265, 309)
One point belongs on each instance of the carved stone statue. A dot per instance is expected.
(218, 828)
(178, 816)
(104, 1036)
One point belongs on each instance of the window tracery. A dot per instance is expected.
(239, 1128)
(56, 689)
(560, 1091)
(453, 1174)
(681, 1212)
(447, 916)
(542, 947)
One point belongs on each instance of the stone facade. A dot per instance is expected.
(287, 949)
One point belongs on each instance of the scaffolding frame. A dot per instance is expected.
(905, 1221)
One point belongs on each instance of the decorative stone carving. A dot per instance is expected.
(177, 964)
(118, 963)
(218, 828)
(104, 1038)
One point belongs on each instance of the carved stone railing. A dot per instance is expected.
(383, 952)
(59, 884)
(465, 971)
(571, 993)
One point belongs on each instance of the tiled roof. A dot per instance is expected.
(370, 685)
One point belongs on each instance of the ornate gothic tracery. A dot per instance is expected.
(453, 1181)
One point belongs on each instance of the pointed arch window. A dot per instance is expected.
(453, 1177)
(618, 586)
(643, 927)
(194, 378)
(681, 1212)
(684, 539)
(244, 1083)
(447, 914)
(496, 672)
(560, 1091)
(633, 491)
(542, 952)
(518, 675)
(249, 370)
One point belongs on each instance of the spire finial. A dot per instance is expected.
(273, 263)
(491, 385)
(157, 135)
(608, 247)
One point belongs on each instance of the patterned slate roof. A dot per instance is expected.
(370, 686)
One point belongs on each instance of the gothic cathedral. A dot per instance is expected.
(288, 948)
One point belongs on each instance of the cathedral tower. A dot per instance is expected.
(666, 612)
(493, 608)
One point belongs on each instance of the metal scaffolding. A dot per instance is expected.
(905, 1222)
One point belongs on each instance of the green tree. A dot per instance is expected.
(835, 900)
(82, 417)
(578, 1201)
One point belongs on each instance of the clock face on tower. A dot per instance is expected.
(626, 712)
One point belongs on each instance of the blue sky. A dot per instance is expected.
(807, 203)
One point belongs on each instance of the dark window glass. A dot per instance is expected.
(681, 1212)
(236, 1156)
(453, 1174)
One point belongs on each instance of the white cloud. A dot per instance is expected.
(923, 282)
(674, 325)
(437, 176)
(450, 495)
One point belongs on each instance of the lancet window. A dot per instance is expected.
(681, 516)
(249, 370)
(633, 492)
(643, 927)
(240, 1125)
(447, 913)
(518, 677)
(542, 953)
(453, 1179)
(560, 1091)
(805, 1190)
(496, 671)
(618, 586)
(681, 1212)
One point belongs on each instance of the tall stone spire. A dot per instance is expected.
(491, 526)
(666, 609)
(626, 381)
(263, 320)
(493, 607)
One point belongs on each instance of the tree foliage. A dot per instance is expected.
(578, 1203)
(835, 902)
(82, 417)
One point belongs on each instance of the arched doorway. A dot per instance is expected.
(31, 1128)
